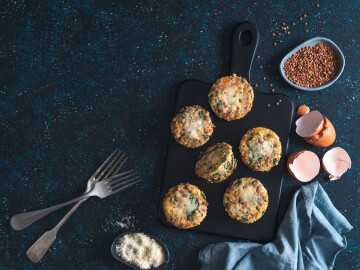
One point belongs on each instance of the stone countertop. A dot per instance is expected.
(80, 79)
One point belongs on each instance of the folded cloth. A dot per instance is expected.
(310, 237)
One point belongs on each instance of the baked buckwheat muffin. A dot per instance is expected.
(217, 163)
(246, 200)
(260, 149)
(192, 126)
(231, 97)
(185, 206)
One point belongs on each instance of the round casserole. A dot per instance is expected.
(231, 97)
(260, 149)
(246, 200)
(217, 163)
(192, 126)
(185, 206)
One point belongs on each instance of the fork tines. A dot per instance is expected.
(113, 164)
(123, 180)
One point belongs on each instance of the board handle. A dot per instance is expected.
(244, 42)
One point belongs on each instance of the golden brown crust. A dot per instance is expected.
(246, 200)
(260, 149)
(192, 126)
(231, 97)
(217, 163)
(185, 206)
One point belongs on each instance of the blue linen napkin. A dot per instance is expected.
(310, 237)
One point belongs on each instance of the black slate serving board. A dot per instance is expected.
(180, 161)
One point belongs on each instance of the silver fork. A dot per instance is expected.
(23, 220)
(37, 251)
(101, 189)
(107, 187)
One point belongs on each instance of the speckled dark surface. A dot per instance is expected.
(80, 79)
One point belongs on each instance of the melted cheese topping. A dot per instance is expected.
(260, 150)
(248, 194)
(185, 204)
(194, 128)
(214, 157)
(231, 96)
(190, 206)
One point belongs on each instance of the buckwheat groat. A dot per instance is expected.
(312, 66)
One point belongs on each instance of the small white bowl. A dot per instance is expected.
(311, 43)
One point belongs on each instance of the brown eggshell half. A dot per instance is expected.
(325, 137)
(310, 124)
(303, 165)
(302, 110)
(336, 162)
(291, 159)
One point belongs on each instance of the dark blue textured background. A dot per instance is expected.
(79, 79)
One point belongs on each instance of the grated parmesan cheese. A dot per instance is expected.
(140, 250)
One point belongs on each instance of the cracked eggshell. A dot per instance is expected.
(325, 137)
(303, 165)
(310, 124)
(316, 129)
(302, 110)
(336, 162)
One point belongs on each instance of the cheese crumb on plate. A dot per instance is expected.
(141, 250)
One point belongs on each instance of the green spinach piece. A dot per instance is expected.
(195, 201)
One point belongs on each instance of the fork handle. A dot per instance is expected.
(38, 250)
(41, 246)
(23, 220)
